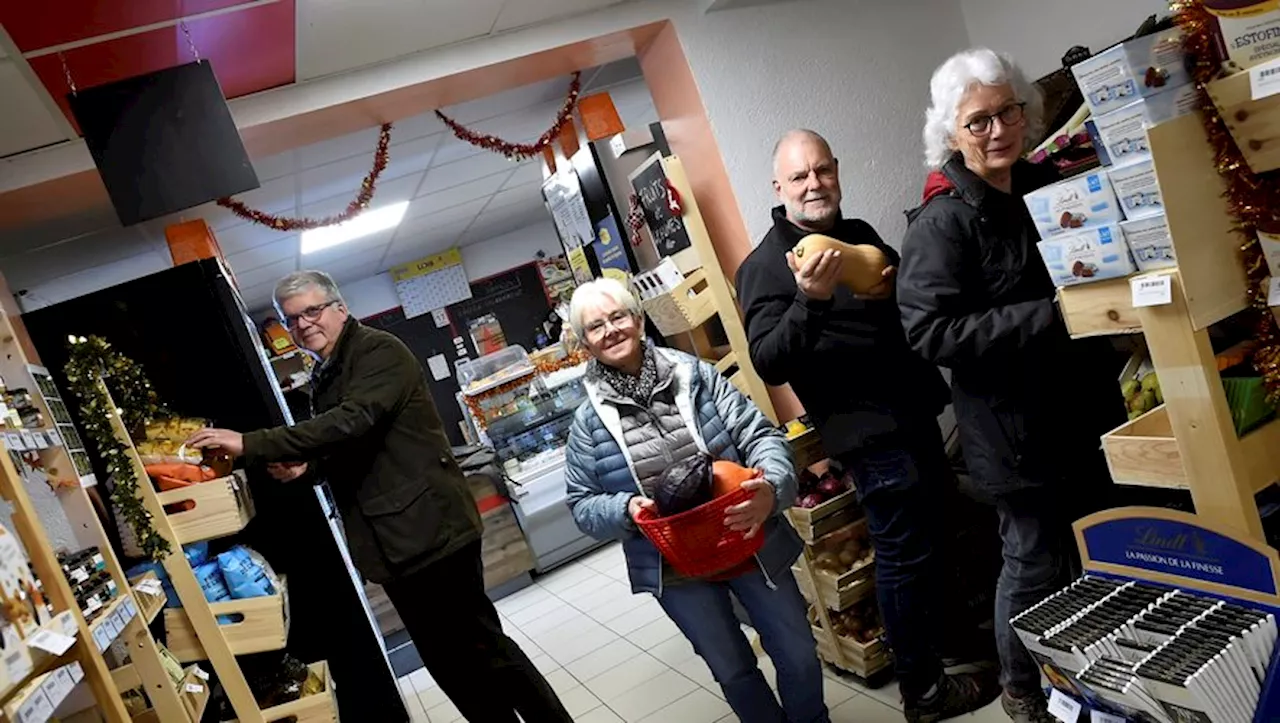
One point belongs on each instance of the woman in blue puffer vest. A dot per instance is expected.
(649, 408)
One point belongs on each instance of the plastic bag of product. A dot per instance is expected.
(246, 573)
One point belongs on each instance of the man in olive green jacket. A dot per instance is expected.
(410, 520)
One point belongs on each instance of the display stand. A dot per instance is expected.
(206, 638)
(705, 295)
(1189, 442)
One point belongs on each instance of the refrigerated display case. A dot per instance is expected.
(525, 417)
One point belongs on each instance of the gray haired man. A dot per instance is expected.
(410, 520)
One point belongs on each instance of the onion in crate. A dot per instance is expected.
(811, 500)
(830, 487)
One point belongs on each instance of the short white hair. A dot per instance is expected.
(592, 290)
(299, 282)
(978, 66)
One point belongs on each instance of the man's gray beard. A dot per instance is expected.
(800, 215)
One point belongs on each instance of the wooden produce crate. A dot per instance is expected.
(318, 708)
(840, 588)
(865, 659)
(684, 308)
(194, 692)
(834, 592)
(261, 626)
(1255, 124)
(149, 605)
(827, 517)
(209, 510)
(807, 448)
(503, 550)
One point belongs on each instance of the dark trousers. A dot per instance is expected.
(458, 633)
(902, 487)
(1035, 530)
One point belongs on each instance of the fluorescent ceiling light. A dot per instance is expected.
(369, 222)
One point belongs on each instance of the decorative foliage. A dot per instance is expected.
(1254, 199)
(359, 205)
(519, 151)
(93, 359)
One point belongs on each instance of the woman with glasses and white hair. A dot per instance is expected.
(648, 409)
(975, 297)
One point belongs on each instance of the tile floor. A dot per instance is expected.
(613, 656)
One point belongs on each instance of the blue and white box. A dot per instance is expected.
(1150, 243)
(1085, 201)
(1138, 189)
(1124, 131)
(1138, 68)
(1090, 255)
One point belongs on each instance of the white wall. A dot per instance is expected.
(378, 293)
(1039, 32)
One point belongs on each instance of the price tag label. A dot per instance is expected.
(199, 673)
(51, 642)
(1063, 707)
(65, 678)
(193, 688)
(1264, 80)
(66, 624)
(100, 637)
(77, 672)
(131, 608)
(37, 708)
(28, 439)
(42, 441)
(55, 439)
(1273, 291)
(150, 586)
(13, 440)
(1152, 290)
(1097, 716)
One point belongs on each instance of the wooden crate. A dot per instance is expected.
(1255, 124)
(149, 606)
(319, 708)
(865, 659)
(263, 627)
(217, 508)
(807, 448)
(827, 517)
(503, 550)
(826, 592)
(194, 692)
(684, 308)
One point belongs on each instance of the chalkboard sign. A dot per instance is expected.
(650, 184)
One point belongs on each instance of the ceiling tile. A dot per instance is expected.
(338, 35)
(410, 157)
(25, 123)
(512, 218)
(455, 214)
(508, 101)
(341, 178)
(354, 270)
(361, 143)
(247, 236)
(369, 248)
(418, 126)
(460, 172)
(617, 72)
(530, 193)
(256, 297)
(266, 274)
(343, 189)
(274, 196)
(429, 242)
(270, 167)
(527, 172)
(456, 196)
(264, 255)
(529, 12)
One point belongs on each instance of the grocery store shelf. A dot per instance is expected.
(1099, 308)
(108, 625)
(1255, 124)
(150, 595)
(1144, 452)
(29, 661)
(36, 701)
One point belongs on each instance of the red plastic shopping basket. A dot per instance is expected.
(696, 542)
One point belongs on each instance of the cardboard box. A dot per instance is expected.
(1248, 32)
(1135, 69)
(1085, 201)
(1089, 255)
(1150, 243)
(1124, 132)
(1138, 189)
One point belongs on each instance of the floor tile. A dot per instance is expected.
(696, 669)
(652, 697)
(835, 693)
(601, 714)
(544, 663)
(675, 651)
(565, 650)
(566, 577)
(699, 706)
(406, 687)
(638, 672)
(610, 595)
(610, 656)
(418, 716)
(574, 624)
(421, 680)
(526, 615)
(887, 693)
(657, 632)
(561, 682)
(605, 558)
(521, 599)
(636, 618)
(561, 616)
(579, 700)
(619, 606)
(444, 713)
(861, 709)
(431, 698)
(584, 589)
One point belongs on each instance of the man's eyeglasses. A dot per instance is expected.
(1010, 115)
(619, 320)
(311, 313)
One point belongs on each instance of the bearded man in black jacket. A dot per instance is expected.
(874, 402)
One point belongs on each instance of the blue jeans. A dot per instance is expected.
(902, 488)
(703, 612)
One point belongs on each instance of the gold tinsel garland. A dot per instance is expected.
(473, 403)
(93, 359)
(1254, 199)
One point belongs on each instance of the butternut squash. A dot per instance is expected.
(862, 265)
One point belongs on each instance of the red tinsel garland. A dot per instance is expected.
(1254, 200)
(518, 151)
(357, 206)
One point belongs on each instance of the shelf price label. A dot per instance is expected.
(51, 642)
(1152, 290)
(1063, 707)
(13, 441)
(28, 439)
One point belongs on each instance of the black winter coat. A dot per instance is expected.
(379, 442)
(846, 359)
(1030, 402)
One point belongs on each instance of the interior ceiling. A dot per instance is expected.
(458, 195)
(253, 45)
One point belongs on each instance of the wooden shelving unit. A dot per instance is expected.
(1189, 442)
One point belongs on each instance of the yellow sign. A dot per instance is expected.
(428, 265)
(578, 262)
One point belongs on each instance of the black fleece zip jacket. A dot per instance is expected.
(847, 359)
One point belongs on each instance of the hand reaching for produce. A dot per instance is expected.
(638, 503)
(224, 439)
(882, 290)
(287, 471)
(818, 277)
(750, 515)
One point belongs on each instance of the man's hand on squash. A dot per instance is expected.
(818, 277)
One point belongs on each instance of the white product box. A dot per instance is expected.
(1141, 67)
(1124, 131)
(1136, 186)
(1150, 243)
(1249, 32)
(1090, 255)
(1085, 201)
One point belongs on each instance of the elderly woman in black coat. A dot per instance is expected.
(976, 298)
